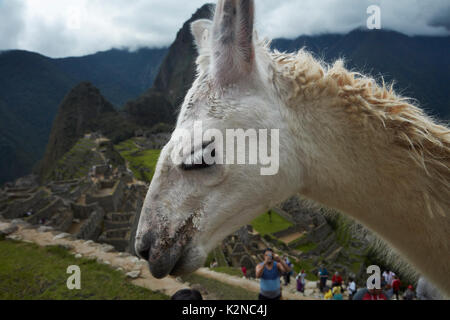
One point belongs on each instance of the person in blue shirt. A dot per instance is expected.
(269, 273)
(287, 275)
(323, 274)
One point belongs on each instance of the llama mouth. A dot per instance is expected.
(187, 263)
(162, 263)
(174, 262)
(167, 254)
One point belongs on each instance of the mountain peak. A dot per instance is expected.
(175, 77)
(78, 114)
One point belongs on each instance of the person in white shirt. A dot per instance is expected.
(351, 288)
(386, 276)
(390, 278)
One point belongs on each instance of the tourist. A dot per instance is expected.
(351, 288)
(374, 294)
(187, 294)
(390, 278)
(287, 275)
(323, 275)
(301, 281)
(384, 280)
(269, 272)
(385, 276)
(337, 295)
(389, 291)
(396, 287)
(244, 271)
(364, 293)
(409, 293)
(328, 295)
(360, 293)
(426, 291)
(336, 280)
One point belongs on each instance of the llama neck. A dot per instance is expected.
(358, 169)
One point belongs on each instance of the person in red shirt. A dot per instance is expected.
(336, 280)
(396, 287)
(374, 294)
(244, 271)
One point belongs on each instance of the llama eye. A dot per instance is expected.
(198, 166)
(195, 163)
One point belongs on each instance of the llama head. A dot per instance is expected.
(194, 203)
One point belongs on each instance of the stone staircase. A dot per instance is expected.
(117, 230)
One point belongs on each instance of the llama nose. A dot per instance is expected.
(161, 258)
(143, 246)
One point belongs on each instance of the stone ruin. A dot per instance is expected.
(101, 207)
(245, 247)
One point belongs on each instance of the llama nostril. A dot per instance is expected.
(144, 254)
(143, 245)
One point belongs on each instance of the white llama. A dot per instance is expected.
(345, 143)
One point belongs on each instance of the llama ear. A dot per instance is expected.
(232, 40)
(200, 31)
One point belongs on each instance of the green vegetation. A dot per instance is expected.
(29, 272)
(221, 290)
(264, 226)
(340, 225)
(356, 266)
(306, 247)
(303, 264)
(141, 162)
(216, 254)
(77, 162)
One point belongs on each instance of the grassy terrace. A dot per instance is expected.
(29, 272)
(77, 162)
(307, 247)
(141, 162)
(264, 226)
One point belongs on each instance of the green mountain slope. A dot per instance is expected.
(32, 87)
(83, 110)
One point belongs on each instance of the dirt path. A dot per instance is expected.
(250, 285)
(292, 237)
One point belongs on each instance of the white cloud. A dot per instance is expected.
(76, 27)
(11, 23)
(290, 18)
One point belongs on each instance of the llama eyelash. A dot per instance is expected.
(196, 160)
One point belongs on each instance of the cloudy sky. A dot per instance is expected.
(60, 28)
